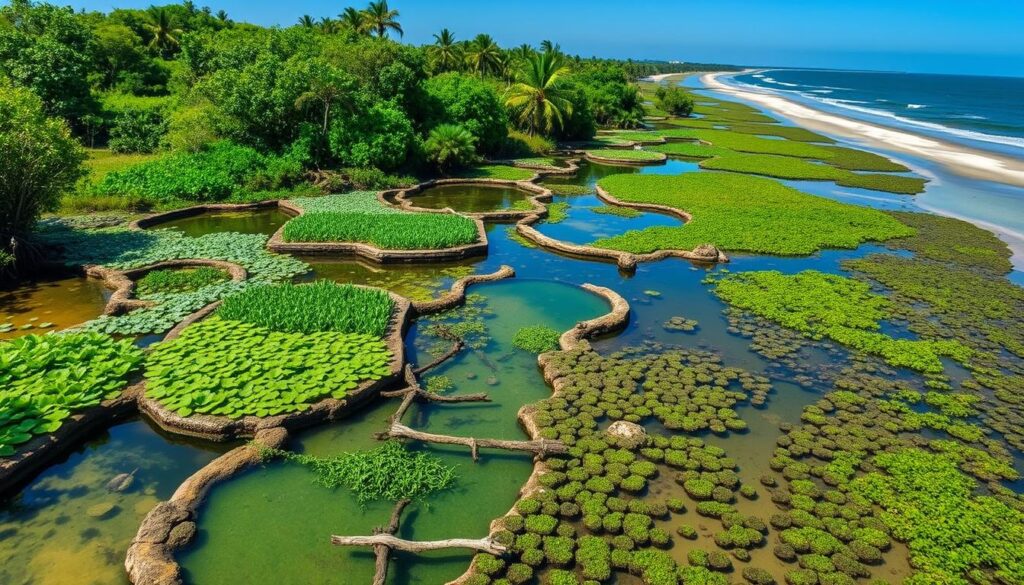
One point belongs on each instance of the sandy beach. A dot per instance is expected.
(961, 160)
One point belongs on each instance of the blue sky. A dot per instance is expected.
(937, 36)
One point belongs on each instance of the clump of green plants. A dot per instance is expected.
(558, 212)
(361, 217)
(536, 339)
(233, 369)
(616, 210)
(568, 189)
(842, 309)
(389, 472)
(45, 379)
(945, 239)
(626, 155)
(680, 324)
(502, 172)
(745, 213)
(306, 308)
(519, 238)
(179, 280)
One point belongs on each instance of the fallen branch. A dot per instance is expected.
(542, 447)
(382, 551)
(392, 542)
(457, 346)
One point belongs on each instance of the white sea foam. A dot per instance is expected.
(821, 91)
(915, 106)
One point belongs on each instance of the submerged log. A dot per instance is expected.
(541, 447)
(457, 346)
(393, 542)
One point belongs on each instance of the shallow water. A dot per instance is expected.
(65, 528)
(418, 282)
(61, 302)
(470, 198)
(260, 221)
(273, 525)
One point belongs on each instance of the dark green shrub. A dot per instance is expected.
(558, 550)
(593, 556)
(518, 573)
(542, 524)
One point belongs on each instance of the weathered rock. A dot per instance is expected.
(627, 434)
(157, 526)
(102, 510)
(706, 250)
(181, 535)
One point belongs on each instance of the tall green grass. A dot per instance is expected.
(311, 308)
(784, 167)
(396, 231)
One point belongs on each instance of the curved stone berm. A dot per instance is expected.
(541, 195)
(156, 219)
(457, 295)
(705, 253)
(171, 525)
(371, 252)
(34, 456)
(614, 320)
(570, 168)
(218, 428)
(121, 301)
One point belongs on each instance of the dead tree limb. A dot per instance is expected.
(457, 346)
(381, 552)
(542, 447)
(479, 544)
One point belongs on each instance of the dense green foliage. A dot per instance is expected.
(215, 174)
(39, 160)
(45, 379)
(450, 146)
(827, 305)
(743, 213)
(360, 217)
(536, 339)
(234, 369)
(470, 102)
(389, 472)
(953, 534)
(674, 100)
(308, 308)
(179, 280)
(946, 239)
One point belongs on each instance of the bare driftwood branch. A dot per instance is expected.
(381, 551)
(392, 542)
(542, 447)
(457, 346)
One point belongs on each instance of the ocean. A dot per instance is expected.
(983, 112)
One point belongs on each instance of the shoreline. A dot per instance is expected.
(961, 160)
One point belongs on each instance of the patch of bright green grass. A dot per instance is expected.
(946, 239)
(788, 132)
(691, 149)
(842, 309)
(627, 212)
(860, 160)
(540, 161)
(742, 213)
(757, 145)
(783, 167)
(691, 123)
(308, 308)
(627, 155)
(633, 136)
(503, 172)
(536, 339)
(179, 280)
(102, 162)
(734, 112)
(361, 217)
(558, 212)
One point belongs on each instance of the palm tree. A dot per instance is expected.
(446, 53)
(307, 21)
(547, 46)
(450, 145)
(483, 55)
(189, 6)
(380, 19)
(165, 34)
(538, 100)
(354, 20)
(330, 25)
(523, 52)
(222, 16)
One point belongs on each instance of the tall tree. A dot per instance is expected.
(445, 53)
(483, 55)
(355, 20)
(537, 101)
(39, 161)
(381, 19)
(47, 49)
(307, 21)
(164, 34)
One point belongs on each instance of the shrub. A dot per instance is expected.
(558, 549)
(674, 100)
(542, 524)
(450, 146)
(137, 131)
(471, 103)
(309, 308)
(518, 573)
(593, 556)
